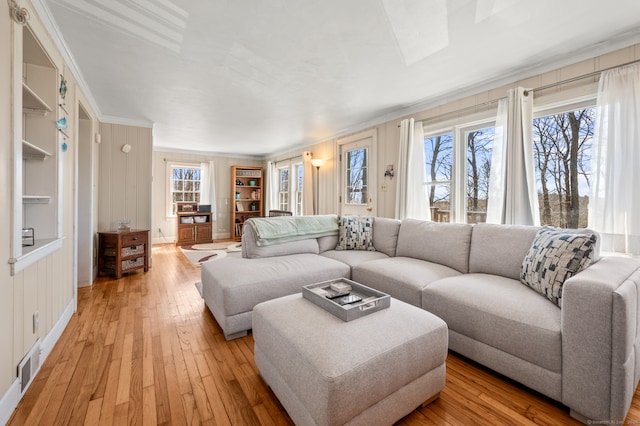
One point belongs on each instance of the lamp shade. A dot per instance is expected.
(316, 162)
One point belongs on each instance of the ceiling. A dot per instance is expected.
(255, 77)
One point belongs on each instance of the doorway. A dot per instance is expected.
(86, 246)
(357, 173)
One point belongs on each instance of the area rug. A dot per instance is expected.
(200, 253)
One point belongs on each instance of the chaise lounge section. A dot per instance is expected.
(583, 353)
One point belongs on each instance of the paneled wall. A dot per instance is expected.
(164, 228)
(125, 178)
(47, 287)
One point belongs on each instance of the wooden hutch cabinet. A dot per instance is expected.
(194, 228)
(247, 186)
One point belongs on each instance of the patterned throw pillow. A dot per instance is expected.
(555, 256)
(355, 233)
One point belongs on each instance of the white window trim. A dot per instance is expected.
(583, 97)
(457, 201)
(292, 166)
(169, 167)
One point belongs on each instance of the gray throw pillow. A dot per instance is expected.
(355, 233)
(555, 256)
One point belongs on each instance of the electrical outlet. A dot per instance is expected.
(36, 322)
(384, 187)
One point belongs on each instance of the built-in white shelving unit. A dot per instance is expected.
(37, 204)
(32, 102)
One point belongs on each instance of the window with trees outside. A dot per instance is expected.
(562, 151)
(474, 162)
(356, 176)
(183, 185)
(290, 190)
(458, 163)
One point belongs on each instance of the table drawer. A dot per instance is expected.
(133, 239)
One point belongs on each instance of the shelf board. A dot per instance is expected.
(30, 150)
(36, 199)
(32, 102)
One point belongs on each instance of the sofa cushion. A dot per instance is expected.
(385, 235)
(499, 312)
(555, 256)
(355, 233)
(238, 284)
(401, 277)
(327, 243)
(354, 257)
(500, 249)
(443, 243)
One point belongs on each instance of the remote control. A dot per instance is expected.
(336, 295)
(347, 300)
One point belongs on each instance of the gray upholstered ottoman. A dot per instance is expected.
(372, 370)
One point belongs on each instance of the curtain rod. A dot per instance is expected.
(581, 77)
(287, 159)
(526, 92)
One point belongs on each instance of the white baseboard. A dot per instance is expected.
(53, 336)
(9, 402)
(12, 397)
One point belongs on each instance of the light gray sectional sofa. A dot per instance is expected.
(585, 354)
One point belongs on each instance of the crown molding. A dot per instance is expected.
(111, 119)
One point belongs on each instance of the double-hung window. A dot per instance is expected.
(183, 185)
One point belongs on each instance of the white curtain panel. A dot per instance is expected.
(308, 180)
(413, 201)
(208, 186)
(614, 201)
(272, 187)
(513, 194)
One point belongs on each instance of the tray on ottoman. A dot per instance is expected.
(371, 300)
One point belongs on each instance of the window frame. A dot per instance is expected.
(555, 106)
(294, 194)
(171, 165)
(458, 128)
(554, 103)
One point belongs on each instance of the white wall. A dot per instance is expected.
(160, 221)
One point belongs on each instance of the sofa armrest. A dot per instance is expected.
(600, 337)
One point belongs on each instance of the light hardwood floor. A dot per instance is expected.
(145, 350)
